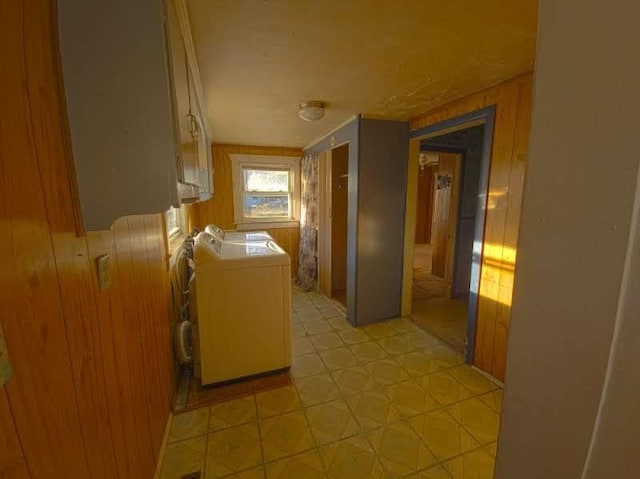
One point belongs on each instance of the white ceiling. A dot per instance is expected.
(383, 58)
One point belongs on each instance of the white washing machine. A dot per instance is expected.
(237, 236)
(244, 308)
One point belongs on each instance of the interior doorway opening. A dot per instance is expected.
(444, 226)
(339, 222)
(333, 223)
(448, 184)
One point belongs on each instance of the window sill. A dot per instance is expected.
(266, 225)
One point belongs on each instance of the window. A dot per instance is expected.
(265, 190)
(174, 220)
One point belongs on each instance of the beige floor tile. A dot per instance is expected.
(307, 465)
(492, 449)
(300, 346)
(396, 345)
(473, 465)
(442, 434)
(444, 388)
(353, 380)
(472, 380)
(493, 400)
(317, 389)
(297, 330)
(367, 352)
(255, 473)
(444, 356)
(285, 435)
(351, 458)
(410, 399)
(189, 424)
(184, 457)
(421, 339)
(400, 449)
(402, 325)
(417, 363)
(373, 409)
(307, 365)
(378, 330)
(354, 336)
(233, 450)
(339, 358)
(331, 421)
(339, 322)
(310, 314)
(232, 413)
(386, 372)
(277, 401)
(317, 327)
(436, 472)
(477, 418)
(326, 341)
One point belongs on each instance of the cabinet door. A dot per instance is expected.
(119, 107)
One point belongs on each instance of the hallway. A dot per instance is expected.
(386, 400)
(432, 311)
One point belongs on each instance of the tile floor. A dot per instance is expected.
(383, 401)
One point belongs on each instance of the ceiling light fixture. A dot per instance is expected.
(311, 110)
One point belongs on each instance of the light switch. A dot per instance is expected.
(104, 271)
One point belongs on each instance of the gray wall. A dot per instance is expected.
(382, 182)
(348, 134)
(470, 140)
(572, 387)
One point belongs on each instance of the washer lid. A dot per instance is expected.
(237, 236)
(250, 249)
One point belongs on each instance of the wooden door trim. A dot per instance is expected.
(324, 222)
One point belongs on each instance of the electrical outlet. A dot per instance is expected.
(104, 271)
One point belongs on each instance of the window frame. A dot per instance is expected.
(178, 229)
(239, 163)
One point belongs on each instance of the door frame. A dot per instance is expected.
(324, 222)
(484, 116)
(325, 228)
(460, 171)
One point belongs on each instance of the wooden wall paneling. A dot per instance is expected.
(512, 225)
(513, 108)
(159, 332)
(117, 372)
(132, 318)
(72, 262)
(41, 390)
(12, 463)
(142, 297)
(424, 208)
(506, 100)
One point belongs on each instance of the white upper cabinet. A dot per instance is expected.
(136, 139)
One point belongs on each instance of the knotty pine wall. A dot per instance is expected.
(92, 377)
(508, 159)
(219, 210)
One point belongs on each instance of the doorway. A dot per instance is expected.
(334, 210)
(446, 205)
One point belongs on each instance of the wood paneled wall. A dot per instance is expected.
(219, 209)
(510, 140)
(424, 208)
(92, 378)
